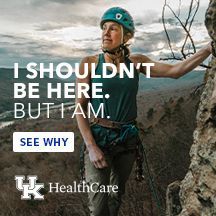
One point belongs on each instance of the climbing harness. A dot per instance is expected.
(109, 135)
(120, 132)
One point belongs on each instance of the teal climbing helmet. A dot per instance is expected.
(119, 15)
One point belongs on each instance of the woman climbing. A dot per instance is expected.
(112, 143)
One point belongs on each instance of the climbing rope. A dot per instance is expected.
(143, 168)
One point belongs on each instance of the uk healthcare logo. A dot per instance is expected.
(30, 188)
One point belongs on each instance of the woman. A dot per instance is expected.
(111, 142)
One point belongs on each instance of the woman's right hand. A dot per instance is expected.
(97, 157)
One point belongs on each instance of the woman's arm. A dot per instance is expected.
(95, 154)
(176, 70)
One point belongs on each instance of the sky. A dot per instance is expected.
(68, 30)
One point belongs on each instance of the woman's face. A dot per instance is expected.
(111, 35)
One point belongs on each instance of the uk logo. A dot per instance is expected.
(29, 189)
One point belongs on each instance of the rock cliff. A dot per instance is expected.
(195, 195)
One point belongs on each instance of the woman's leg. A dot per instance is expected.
(98, 202)
(122, 165)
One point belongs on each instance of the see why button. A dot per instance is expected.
(43, 141)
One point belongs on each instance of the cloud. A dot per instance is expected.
(171, 21)
(51, 26)
(74, 1)
(24, 50)
(149, 42)
(56, 30)
(77, 21)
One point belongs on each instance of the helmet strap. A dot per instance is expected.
(114, 56)
(114, 51)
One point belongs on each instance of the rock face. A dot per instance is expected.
(196, 194)
(198, 189)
